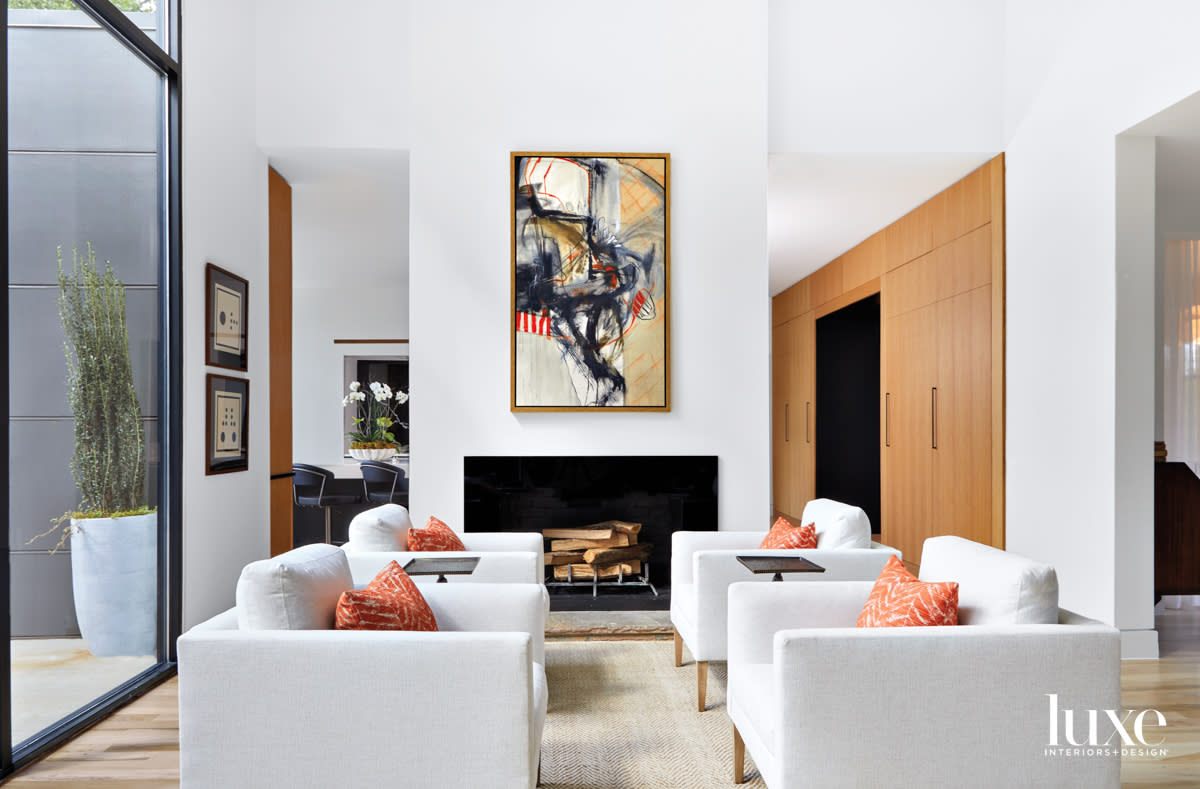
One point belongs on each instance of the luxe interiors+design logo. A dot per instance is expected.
(1121, 740)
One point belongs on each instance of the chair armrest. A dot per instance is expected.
(503, 541)
(268, 708)
(489, 608)
(226, 620)
(493, 567)
(757, 611)
(714, 570)
(977, 695)
(686, 543)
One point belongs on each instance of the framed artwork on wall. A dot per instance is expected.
(226, 299)
(227, 441)
(590, 308)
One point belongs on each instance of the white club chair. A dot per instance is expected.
(269, 696)
(704, 564)
(818, 702)
(380, 534)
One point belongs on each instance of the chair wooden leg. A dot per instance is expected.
(739, 757)
(701, 682)
(678, 649)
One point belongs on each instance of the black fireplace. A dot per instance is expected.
(664, 493)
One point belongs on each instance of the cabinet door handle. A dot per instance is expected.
(807, 431)
(787, 425)
(887, 419)
(933, 417)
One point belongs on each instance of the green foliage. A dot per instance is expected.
(82, 516)
(109, 464)
(66, 5)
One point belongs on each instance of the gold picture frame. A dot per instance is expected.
(590, 301)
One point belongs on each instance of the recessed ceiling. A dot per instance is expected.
(308, 166)
(820, 205)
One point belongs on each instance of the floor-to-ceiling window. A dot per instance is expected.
(92, 258)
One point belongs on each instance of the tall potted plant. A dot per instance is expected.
(114, 534)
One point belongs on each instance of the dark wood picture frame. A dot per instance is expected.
(226, 313)
(227, 424)
(544, 309)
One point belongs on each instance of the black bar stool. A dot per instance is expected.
(384, 483)
(308, 490)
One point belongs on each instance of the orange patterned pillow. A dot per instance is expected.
(436, 536)
(894, 572)
(898, 599)
(784, 536)
(390, 602)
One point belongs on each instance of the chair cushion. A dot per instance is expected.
(994, 586)
(383, 528)
(297, 590)
(436, 536)
(786, 536)
(390, 602)
(838, 525)
(910, 604)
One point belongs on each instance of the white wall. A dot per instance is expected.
(317, 363)
(1136, 341)
(225, 517)
(1124, 63)
(350, 281)
(638, 76)
(877, 75)
(1177, 201)
(331, 75)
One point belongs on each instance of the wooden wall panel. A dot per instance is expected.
(912, 285)
(939, 272)
(863, 263)
(963, 207)
(826, 283)
(957, 267)
(781, 466)
(791, 303)
(963, 457)
(908, 450)
(996, 188)
(909, 237)
(279, 228)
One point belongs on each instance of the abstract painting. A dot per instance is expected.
(591, 265)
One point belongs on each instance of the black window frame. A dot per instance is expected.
(166, 62)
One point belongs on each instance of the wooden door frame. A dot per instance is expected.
(279, 210)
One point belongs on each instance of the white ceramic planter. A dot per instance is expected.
(114, 574)
(372, 454)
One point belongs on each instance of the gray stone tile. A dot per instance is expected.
(68, 199)
(62, 80)
(41, 486)
(37, 361)
(41, 602)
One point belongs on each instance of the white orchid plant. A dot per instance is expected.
(376, 415)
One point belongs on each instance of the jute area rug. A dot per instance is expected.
(621, 716)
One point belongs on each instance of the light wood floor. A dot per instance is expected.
(138, 747)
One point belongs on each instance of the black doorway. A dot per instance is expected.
(847, 457)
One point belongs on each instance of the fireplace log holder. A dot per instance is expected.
(637, 580)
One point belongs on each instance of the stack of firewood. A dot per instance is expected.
(610, 549)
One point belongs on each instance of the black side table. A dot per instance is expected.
(779, 565)
(442, 566)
